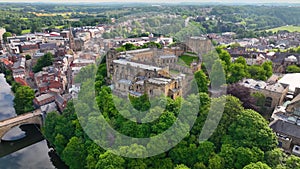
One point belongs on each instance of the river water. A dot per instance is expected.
(23, 147)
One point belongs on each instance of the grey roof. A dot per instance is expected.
(48, 46)
(135, 93)
(254, 84)
(49, 107)
(136, 65)
(59, 99)
(258, 85)
(44, 96)
(167, 56)
(19, 63)
(286, 128)
(138, 51)
(18, 71)
(159, 81)
(124, 81)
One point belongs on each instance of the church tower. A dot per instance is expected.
(71, 40)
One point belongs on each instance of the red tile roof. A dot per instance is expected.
(6, 61)
(21, 81)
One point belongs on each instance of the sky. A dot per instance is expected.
(159, 1)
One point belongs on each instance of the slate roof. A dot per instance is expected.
(286, 128)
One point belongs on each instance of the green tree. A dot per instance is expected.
(267, 66)
(216, 162)
(274, 157)
(74, 154)
(28, 57)
(224, 56)
(258, 165)
(49, 127)
(202, 81)
(60, 143)
(206, 151)
(241, 60)
(129, 46)
(293, 162)
(23, 101)
(199, 166)
(293, 69)
(257, 72)
(181, 166)
(110, 161)
(250, 129)
(237, 72)
(6, 35)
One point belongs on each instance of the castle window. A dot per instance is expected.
(268, 102)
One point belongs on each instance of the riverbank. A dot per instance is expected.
(9, 78)
(31, 151)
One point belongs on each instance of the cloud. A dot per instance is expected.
(159, 1)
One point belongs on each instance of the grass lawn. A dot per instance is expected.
(174, 72)
(289, 28)
(188, 59)
(25, 31)
(59, 27)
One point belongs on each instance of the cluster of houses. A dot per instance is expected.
(280, 40)
(54, 85)
(285, 120)
(72, 49)
(280, 60)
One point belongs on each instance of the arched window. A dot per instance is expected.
(268, 102)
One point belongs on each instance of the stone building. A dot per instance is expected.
(274, 92)
(288, 135)
(144, 71)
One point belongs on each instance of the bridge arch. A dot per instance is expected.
(9, 129)
(28, 118)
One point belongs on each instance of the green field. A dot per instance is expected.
(289, 28)
(59, 27)
(188, 59)
(25, 31)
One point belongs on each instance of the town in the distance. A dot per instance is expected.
(144, 51)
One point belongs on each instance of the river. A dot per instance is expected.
(24, 147)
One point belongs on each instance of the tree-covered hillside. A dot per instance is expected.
(241, 140)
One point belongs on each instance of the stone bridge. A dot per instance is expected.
(35, 117)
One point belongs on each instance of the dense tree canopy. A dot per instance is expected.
(242, 138)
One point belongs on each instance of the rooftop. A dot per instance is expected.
(159, 81)
(291, 79)
(286, 128)
(44, 96)
(167, 56)
(124, 81)
(137, 65)
(83, 61)
(259, 85)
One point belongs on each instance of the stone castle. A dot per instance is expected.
(151, 71)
